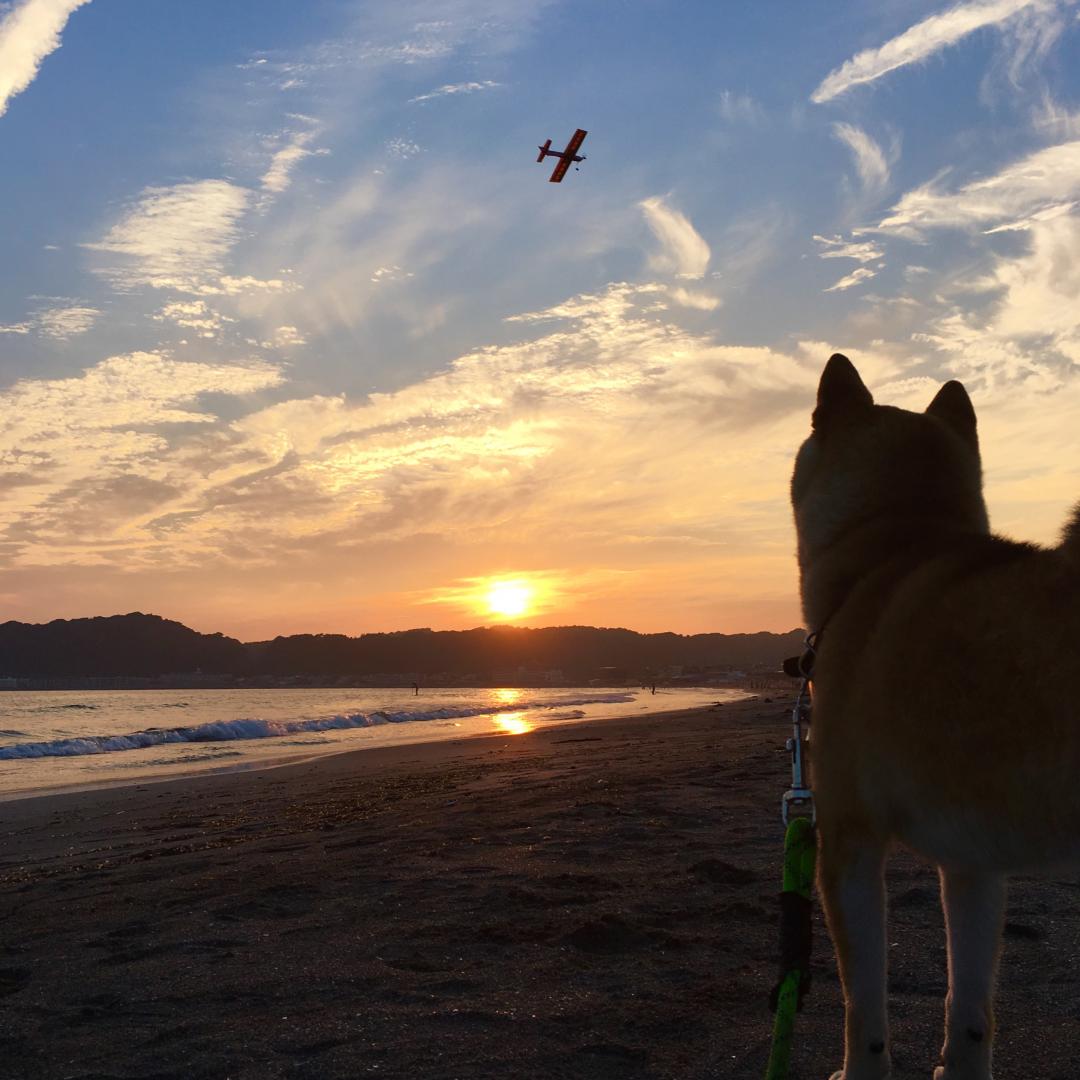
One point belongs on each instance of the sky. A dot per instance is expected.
(296, 336)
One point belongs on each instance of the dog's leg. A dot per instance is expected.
(974, 910)
(852, 884)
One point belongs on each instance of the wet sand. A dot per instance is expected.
(590, 901)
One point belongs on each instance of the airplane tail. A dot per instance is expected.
(544, 150)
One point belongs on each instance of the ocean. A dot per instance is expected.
(69, 739)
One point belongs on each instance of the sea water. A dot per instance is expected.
(64, 739)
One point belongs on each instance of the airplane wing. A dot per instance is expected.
(560, 169)
(567, 156)
(574, 145)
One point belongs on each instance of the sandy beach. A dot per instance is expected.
(589, 901)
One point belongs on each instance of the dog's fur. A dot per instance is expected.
(945, 714)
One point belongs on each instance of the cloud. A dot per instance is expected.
(402, 148)
(1030, 331)
(234, 286)
(861, 273)
(1045, 182)
(175, 237)
(65, 438)
(194, 315)
(62, 323)
(58, 323)
(837, 248)
(390, 273)
(870, 161)
(455, 88)
(921, 41)
(29, 32)
(287, 337)
(1056, 118)
(278, 176)
(684, 253)
(740, 108)
(119, 464)
(696, 300)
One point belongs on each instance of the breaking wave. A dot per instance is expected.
(225, 730)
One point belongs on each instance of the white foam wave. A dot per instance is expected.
(225, 730)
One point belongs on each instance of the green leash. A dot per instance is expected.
(800, 851)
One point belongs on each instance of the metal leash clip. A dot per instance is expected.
(799, 798)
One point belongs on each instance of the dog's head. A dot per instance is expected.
(865, 463)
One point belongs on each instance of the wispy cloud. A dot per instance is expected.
(1056, 118)
(1030, 331)
(286, 337)
(508, 438)
(28, 33)
(399, 147)
(869, 158)
(738, 108)
(859, 274)
(62, 323)
(455, 88)
(1045, 182)
(698, 301)
(683, 251)
(919, 42)
(175, 237)
(193, 315)
(836, 247)
(58, 323)
(278, 177)
(390, 273)
(69, 442)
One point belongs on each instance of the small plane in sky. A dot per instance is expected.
(565, 156)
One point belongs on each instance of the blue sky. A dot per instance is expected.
(295, 335)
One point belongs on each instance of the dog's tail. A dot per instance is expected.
(1070, 537)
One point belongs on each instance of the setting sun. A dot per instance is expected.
(509, 599)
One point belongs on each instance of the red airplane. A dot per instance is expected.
(565, 156)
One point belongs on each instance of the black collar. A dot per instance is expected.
(802, 667)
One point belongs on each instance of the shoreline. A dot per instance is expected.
(298, 760)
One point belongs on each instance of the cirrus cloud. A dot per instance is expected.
(29, 32)
(1042, 183)
(683, 251)
(175, 237)
(920, 41)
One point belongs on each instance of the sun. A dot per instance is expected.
(509, 599)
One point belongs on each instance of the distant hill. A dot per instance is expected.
(150, 646)
(134, 644)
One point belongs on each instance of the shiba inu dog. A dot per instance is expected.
(945, 714)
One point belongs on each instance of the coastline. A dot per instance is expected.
(592, 901)
(357, 761)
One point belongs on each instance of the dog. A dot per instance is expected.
(945, 715)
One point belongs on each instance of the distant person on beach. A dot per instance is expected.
(416, 689)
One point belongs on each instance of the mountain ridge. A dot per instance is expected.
(147, 645)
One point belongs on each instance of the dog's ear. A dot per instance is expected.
(952, 404)
(841, 394)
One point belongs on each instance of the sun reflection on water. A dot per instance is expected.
(513, 723)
